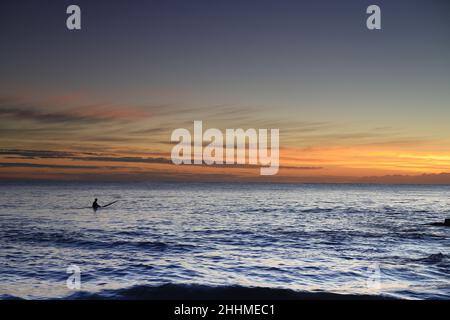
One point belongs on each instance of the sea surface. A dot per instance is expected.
(343, 239)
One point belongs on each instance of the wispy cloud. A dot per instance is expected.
(39, 165)
(125, 159)
(45, 154)
(80, 115)
(98, 157)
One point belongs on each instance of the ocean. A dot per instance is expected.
(164, 239)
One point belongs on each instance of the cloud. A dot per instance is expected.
(151, 131)
(439, 178)
(165, 159)
(77, 116)
(124, 159)
(80, 114)
(46, 154)
(42, 116)
(51, 166)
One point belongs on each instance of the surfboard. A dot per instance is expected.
(107, 205)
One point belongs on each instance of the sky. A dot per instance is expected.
(100, 103)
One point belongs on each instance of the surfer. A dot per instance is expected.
(95, 205)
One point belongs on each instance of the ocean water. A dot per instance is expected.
(344, 239)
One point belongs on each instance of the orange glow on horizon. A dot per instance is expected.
(341, 162)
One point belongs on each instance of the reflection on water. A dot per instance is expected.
(300, 237)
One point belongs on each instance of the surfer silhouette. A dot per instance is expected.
(95, 205)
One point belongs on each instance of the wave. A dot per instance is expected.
(9, 297)
(203, 292)
(434, 258)
(81, 241)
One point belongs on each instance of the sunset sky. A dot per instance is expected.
(101, 103)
